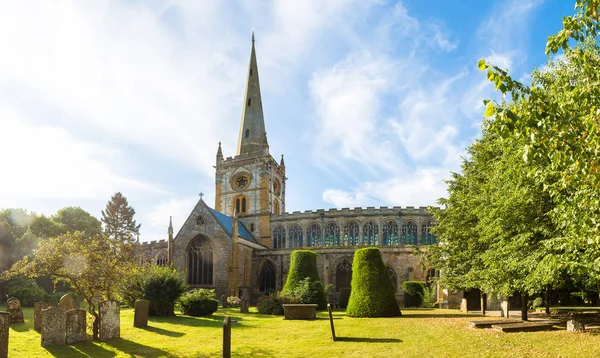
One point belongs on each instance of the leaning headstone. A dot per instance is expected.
(224, 301)
(110, 320)
(15, 313)
(53, 326)
(75, 326)
(244, 303)
(66, 302)
(4, 318)
(37, 314)
(142, 310)
(227, 337)
(575, 326)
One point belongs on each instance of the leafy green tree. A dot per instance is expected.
(74, 218)
(118, 219)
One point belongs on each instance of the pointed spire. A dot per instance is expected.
(282, 163)
(219, 154)
(253, 138)
(170, 226)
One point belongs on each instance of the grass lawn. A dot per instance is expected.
(419, 333)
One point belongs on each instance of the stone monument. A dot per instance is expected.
(110, 320)
(142, 310)
(66, 302)
(15, 312)
(37, 314)
(75, 326)
(4, 318)
(53, 326)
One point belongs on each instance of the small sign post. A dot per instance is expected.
(331, 322)
(227, 337)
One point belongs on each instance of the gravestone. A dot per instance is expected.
(4, 318)
(142, 310)
(15, 313)
(53, 326)
(37, 314)
(110, 320)
(75, 326)
(504, 308)
(224, 301)
(244, 305)
(575, 326)
(227, 337)
(66, 302)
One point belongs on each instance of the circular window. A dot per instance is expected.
(240, 181)
(199, 221)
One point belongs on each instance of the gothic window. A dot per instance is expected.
(343, 275)
(313, 235)
(266, 278)
(162, 259)
(247, 134)
(351, 234)
(249, 101)
(200, 262)
(278, 237)
(276, 207)
(393, 276)
(427, 238)
(252, 227)
(390, 233)
(409, 233)
(199, 221)
(332, 234)
(370, 234)
(295, 236)
(240, 205)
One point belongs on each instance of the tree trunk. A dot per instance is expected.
(96, 324)
(524, 297)
(547, 300)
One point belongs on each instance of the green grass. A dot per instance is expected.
(419, 333)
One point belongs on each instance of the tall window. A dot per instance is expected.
(247, 133)
(351, 234)
(240, 205)
(393, 276)
(162, 259)
(409, 233)
(332, 234)
(343, 275)
(278, 237)
(276, 207)
(266, 278)
(370, 234)
(200, 262)
(295, 236)
(390, 233)
(427, 238)
(313, 235)
(249, 101)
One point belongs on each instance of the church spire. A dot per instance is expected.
(253, 137)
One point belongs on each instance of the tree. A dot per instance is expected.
(74, 218)
(92, 266)
(118, 219)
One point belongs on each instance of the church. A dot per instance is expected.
(243, 243)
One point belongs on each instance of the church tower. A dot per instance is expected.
(251, 184)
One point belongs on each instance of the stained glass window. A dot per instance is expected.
(295, 236)
(266, 278)
(278, 237)
(409, 233)
(351, 234)
(370, 233)
(200, 262)
(313, 235)
(390, 233)
(332, 234)
(427, 238)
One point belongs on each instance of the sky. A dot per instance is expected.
(372, 102)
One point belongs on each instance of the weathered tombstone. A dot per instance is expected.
(75, 326)
(4, 318)
(110, 320)
(504, 307)
(331, 322)
(53, 326)
(66, 302)
(227, 337)
(37, 314)
(463, 305)
(244, 305)
(224, 301)
(15, 313)
(142, 310)
(575, 326)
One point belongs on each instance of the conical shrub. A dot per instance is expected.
(372, 292)
(303, 264)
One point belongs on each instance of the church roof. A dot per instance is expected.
(227, 223)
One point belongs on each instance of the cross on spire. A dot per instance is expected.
(201, 195)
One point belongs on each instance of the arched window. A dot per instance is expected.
(278, 237)
(199, 221)
(240, 205)
(162, 259)
(343, 274)
(351, 234)
(393, 276)
(247, 133)
(249, 101)
(370, 234)
(295, 236)
(427, 238)
(409, 233)
(276, 207)
(332, 234)
(252, 227)
(200, 262)
(390, 233)
(313, 235)
(266, 278)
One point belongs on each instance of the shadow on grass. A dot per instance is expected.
(251, 352)
(93, 349)
(443, 315)
(367, 340)
(161, 331)
(21, 327)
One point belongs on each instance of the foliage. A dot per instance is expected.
(414, 293)
(372, 290)
(303, 264)
(198, 302)
(118, 219)
(307, 291)
(537, 302)
(26, 290)
(429, 299)
(233, 301)
(162, 286)
(273, 304)
(74, 218)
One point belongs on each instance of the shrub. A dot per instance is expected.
(198, 302)
(344, 296)
(273, 304)
(537, 302)
(414, 292)
(233, 301)
(429, 300)
(372, 292)
(26, 290)
(303, 265)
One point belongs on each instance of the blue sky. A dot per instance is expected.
(372, 102)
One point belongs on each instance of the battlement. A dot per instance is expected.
(357, 211)
(153, 242)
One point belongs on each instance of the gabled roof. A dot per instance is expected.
(227, 224)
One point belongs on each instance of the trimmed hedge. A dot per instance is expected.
(372, 292)
(304, 265)
(413, 293)
(198, 302)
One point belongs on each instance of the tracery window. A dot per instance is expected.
(427, 237)
(199, 221)
(390, 233)
(343, 275)
(200, 262)
(409, 233)
(332, 234)
(295, 236)
(393, 276)
(313, 235)
(266, 278)
(351, 234)
(370, 234)
(278, 237)
(162, 259)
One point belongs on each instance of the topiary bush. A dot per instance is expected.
(372, 292)
(198, 302)
(414, 291)
(303, 266)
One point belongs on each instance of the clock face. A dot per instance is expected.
(276, 187)
(240, 181)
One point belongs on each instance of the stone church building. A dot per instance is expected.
(243, 242)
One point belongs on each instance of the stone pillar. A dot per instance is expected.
(66, 302)
(142, 310)
(75, 326)
(110, 320)
(4, 334)
(53, 326)
(504, 307)
(37, 314)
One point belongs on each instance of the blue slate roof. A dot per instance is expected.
(227, 223)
